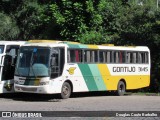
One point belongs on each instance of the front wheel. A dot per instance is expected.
(66, 90)
(121, 88)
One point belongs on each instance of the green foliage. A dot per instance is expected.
(8, 28)
(68, 17)
(31, 17)
(135, 24)
(80, 19)
(141, 27)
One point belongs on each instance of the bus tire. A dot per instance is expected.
(121, 88)
(65, 90)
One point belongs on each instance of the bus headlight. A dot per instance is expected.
(20, 82)
(16, 82)
(44, 83)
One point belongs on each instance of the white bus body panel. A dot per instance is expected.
(7, 86)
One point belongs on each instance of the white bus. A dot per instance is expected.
(66, 67)
(8, 56)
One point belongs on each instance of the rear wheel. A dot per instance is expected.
(66, 90)
(121, 88)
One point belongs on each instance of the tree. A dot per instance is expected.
(81, 20)
(8, 28)
(30, 17)
(140, 26)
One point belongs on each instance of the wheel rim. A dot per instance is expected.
(65, 90)
(121, 88)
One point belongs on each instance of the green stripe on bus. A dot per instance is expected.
(73, 45)
(83, 46)
(88, 77)
(97, 77)
(77, 46)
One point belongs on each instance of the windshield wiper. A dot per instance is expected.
(31, 66)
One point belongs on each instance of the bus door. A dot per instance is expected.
(1, 58)
(57, 61)
(8, 68)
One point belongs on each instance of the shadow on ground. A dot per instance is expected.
(30, 97)
(50, 98)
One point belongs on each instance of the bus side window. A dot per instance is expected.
(105, 56)
(139, 57)
(12, 50)
(90, 56)
(57, 62)
(94, 56)
(78, 54)
(134, 57)
(74, 55)
(96, 59)
(102, 56)
(116, 57)
(146, 58)
(122, 57)
(143, 57)
(112, 57)
(108, 56)
(128, 57)
(68, 56)
(87, 56)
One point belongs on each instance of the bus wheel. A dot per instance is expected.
(121, 88)
(66, 90)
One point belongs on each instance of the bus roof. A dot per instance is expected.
(12, 42)
(54, 43)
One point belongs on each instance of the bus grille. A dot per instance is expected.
(29, 89)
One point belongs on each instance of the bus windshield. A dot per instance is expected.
(1, 49)
(33, 62)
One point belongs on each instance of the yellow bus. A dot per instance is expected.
(66, 67)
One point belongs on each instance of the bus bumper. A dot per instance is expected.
(46, 89)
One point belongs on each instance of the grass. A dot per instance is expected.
(143, 93)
